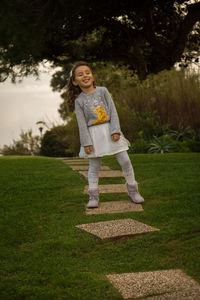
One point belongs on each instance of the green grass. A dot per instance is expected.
(44, 256)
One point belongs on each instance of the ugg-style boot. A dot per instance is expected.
(94, 198)
(134, 193)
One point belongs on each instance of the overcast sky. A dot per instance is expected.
(24, 104)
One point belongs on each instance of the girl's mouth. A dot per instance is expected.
(86, 80)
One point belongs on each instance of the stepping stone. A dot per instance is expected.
(73, 158)
(68, 158)
(76, 160)
(113, 207)
(142, 284)
(104, 174)
(192, 294)
(115, 229)
(77, 168)
(109, 188)
(81, 162)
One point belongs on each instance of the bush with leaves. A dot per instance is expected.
(138, 146)
(159, 145)
(61, 141)
(172, 95)
(26, 145)
(193, 145)
(182, 133)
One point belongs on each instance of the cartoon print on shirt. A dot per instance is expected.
(101, 114)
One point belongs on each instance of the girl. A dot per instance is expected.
(99, 130)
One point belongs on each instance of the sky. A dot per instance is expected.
(24, 104)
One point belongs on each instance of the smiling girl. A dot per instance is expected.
(99, 130)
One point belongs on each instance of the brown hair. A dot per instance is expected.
(72, 90)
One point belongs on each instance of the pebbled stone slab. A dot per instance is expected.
(113, 207)
(70, 157)
(83, 167)
(117, 228)
(103, 174)
(192, 294)
(81, 162)
(109, 188)
(168, 283)
(75, 160)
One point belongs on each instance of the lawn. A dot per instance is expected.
(44, 256)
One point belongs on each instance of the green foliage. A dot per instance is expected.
(26, 145)
(141, 34)
(172, 95)
(138, 146)
(61, 140)
(159, 145)
(178, 146)
(181, 133)
(50, 145)
(194, 146)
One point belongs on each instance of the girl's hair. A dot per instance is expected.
(72, 90)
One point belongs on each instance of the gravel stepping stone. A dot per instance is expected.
(81, 162)
(113, 207)
(73, 158)
(77, 168)
(109, 188)
(76, 160)
(192, 294)
(68, 158)
(104, 174)
(117, 228)
(167, 283)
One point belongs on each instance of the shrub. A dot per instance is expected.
(179, 146)
(159, 145)
(51, 146)
(172, 96)
(61, 141)
(26, 145)
(193, 145)
(139, 146)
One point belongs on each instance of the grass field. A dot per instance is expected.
(44, 256)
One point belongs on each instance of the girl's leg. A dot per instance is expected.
(93, 179)
(127, 168)
(93, 172)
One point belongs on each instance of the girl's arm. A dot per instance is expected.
(114, 119)
(85, 138)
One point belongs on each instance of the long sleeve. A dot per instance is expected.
(85, 138)
(114, 119)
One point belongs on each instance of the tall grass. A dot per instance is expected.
(173, 95)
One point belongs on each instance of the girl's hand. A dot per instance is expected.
(88, 149)
(115, 137)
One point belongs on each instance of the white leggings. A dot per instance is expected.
(95, 165)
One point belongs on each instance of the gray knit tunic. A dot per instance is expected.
(93, 109)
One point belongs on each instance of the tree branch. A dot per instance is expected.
(192, 17)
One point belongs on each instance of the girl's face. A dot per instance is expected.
(83, 77)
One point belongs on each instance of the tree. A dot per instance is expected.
(26, 145)
(147, 35)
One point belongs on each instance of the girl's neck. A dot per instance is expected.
(88, 90)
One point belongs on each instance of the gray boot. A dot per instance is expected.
(134, 193)
(94, 198)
